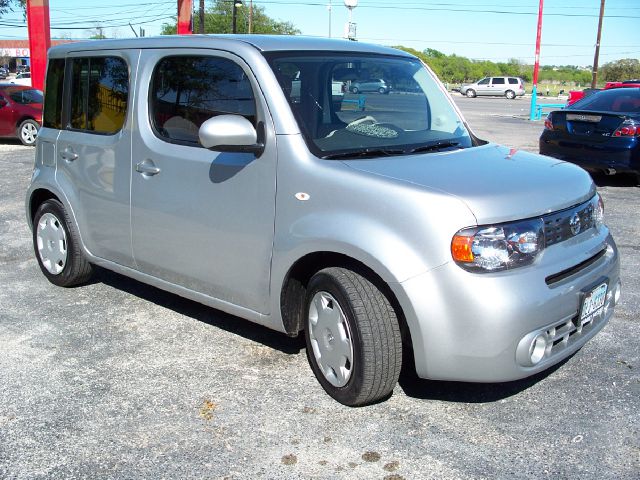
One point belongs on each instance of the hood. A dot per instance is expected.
(498, 184)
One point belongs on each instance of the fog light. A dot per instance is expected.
(538, 348)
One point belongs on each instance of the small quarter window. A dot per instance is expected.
(52, 116)
(187, 90)
(99, 93)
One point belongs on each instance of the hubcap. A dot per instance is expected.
(331, 339)
(51, 241)
(29, 132)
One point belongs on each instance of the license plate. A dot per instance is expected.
(583, 118)
(593, 303)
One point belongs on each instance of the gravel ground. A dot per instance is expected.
(116, 379)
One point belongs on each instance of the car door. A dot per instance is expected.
(7, 117)
(202, 219)
(498, 85)
(94, 150)
(483, 86)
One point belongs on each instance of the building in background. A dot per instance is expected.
(14, 54)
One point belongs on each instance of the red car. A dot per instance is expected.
(20, 112)
(575, 95)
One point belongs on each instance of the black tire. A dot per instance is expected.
(374, 333)
(74, 269)
(27, 132)
(470, 93)
(354, 90)
(510, 94)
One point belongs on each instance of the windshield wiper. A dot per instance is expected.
(367, 153)
(434, 146)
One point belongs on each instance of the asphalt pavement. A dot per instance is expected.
(116, 379)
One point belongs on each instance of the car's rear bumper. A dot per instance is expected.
(594, 156)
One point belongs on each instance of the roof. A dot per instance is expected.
(264, 43)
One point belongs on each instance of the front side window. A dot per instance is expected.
(352, 104)
(52, 116)
(187, 90)
(484, 81)
(99, 94)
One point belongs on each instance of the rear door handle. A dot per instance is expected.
(68, 154)
(147, 168)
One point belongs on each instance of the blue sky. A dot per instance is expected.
(481, 29)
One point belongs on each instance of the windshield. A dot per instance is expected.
(354, 104)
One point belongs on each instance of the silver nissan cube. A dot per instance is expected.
(378, 225)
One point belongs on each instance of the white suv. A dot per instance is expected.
(510, 87)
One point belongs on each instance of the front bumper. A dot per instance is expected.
(479, 327)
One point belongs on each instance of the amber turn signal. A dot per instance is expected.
(461, 248)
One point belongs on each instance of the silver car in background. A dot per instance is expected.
(509, 87)
(225, 169)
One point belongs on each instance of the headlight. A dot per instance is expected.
(498, 247)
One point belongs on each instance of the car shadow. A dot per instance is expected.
(467, 392)
(210, 316)
(618, 180)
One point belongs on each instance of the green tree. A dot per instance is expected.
(624, 69)
(218, 19)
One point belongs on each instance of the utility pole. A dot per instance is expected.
(234, 16)
(594, 79)
(201, 16)
(329, 8)
(250, 16)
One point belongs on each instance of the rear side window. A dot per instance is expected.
(99, 94)
(187, 90)
(52, 116)
(498, 81)
(26, 97)
(513, 81)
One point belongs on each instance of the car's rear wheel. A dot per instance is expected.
(471, 93)
(510, 94)
(353, 337)
(57, 246)
(28, 131)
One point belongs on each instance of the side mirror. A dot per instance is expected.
(232, 133)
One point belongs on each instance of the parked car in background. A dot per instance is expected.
(600, 132)
(510, 87)
(20, 112)
(371, 85)
(4, 73)
(575, 95)
(23, 78)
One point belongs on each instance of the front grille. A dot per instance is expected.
(565, 333)
(557, 225)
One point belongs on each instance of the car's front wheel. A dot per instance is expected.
(510, 94)
(471, 93)
(57, 246)
(382, 90)
(28, 131)
(353, 337)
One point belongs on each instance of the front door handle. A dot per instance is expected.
(68, 154)
(147, 168)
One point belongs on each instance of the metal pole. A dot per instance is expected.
(201, 16)
(233, 16)
(329, 8)
(251, 16)
(536, 66)
(39, 40)
(185, 11)
(594, 79)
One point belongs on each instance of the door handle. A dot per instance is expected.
(68, 154)
(147, 168)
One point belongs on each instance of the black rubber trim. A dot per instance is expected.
(557, 277)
